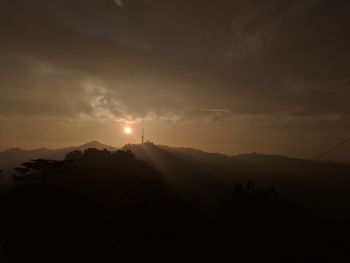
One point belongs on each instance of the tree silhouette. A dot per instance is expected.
(102, 206)
(37, 170)
(74, 155)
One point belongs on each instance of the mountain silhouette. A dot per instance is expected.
(85, 205)
(193, 172)
(197, 173)
(108, 206)
(14, 157)
(103, 206)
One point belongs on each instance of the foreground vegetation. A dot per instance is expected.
(101, 206)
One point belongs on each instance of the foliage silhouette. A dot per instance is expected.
(101, 206)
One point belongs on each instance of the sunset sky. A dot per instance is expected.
(227, 76)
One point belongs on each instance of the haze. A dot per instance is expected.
(227, 76)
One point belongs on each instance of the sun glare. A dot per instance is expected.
(127, 130)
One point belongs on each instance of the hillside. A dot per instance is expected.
(14, 157)
(197, 172)
(95, 201)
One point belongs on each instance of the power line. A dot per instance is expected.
(330, 150)
(318, 157)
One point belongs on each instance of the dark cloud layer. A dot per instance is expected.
(228, 65)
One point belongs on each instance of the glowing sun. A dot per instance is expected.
(127, 130)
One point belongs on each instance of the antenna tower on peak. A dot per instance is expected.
(143, 136)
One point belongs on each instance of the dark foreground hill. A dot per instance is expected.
(196, 173)
(101, 206)
(85, 207)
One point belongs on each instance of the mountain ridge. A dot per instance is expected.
(14, 157)
(257, 159)
(196, 172)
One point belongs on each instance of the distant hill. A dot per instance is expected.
(250, 166)
(195, 171)
(14, 157)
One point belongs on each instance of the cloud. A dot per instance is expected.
(239, 64)
(256, 23)
(119, 3)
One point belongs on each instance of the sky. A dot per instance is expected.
(226, 76)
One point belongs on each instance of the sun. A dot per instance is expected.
(127, 130)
